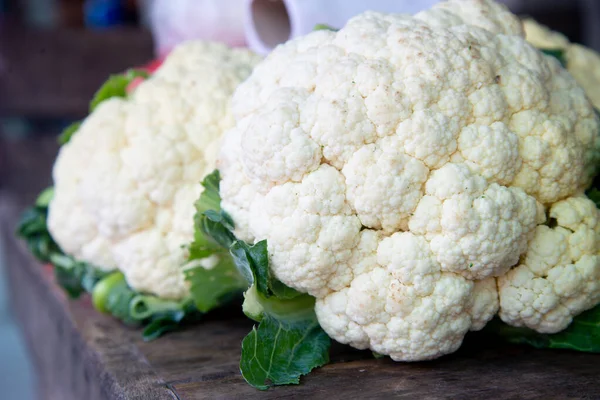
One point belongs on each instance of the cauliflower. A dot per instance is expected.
(581, 62)
(126, 183)
(559, 275)
(400, 165)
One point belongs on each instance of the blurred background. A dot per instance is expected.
(55, 53)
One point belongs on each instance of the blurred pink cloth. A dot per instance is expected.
(175, 21)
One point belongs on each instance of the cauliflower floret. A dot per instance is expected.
(476, 229)
(126, 183)
(559, 276)
(310, 229)
(409, 163)
(407, 307)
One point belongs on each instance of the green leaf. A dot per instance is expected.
(44, 198)
(300, 307)
(116, 86)
(324, 27)
(288, 342)
(68, 132)
(171, 319)
(118, 300)
(203, 245)
(102, 289)
(282, 291)
(210, 199)
(253, 263)
(559, 54)
(211, 288)
(210, 237)
(594, 195)
(73, 276)
(91, 276)
(280, 351)
(32, 228)
(582, 335)
(114, 296)
(68, 274)
(159, 327)
(212, 232)
(217, 230)
(143, 306)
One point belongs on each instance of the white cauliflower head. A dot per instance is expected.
(397, 166)
(126, 183)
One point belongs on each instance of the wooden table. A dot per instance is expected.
(80, 354)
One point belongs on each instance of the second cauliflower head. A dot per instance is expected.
(397, 166)
(583, 63)
(126, 183)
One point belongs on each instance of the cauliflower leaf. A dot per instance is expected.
(559, 54)
(324, 27)
(116, 86)
(215, 287)
(113, 295)
(288, 341)
(68, 132)
(33, 228)
(594, 195)
(73, 276)
(583, 334)
(279, 351)
(212, 287)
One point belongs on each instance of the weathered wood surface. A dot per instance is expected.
(80, 354)
(54, 73)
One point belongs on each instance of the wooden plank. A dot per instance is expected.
(54, 73)
(77, 353)
(82, 354)
(86, 355)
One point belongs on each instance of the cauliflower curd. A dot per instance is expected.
(125, 185)
(398, 166)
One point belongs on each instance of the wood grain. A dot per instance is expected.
(80, 354)
(54, 73)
